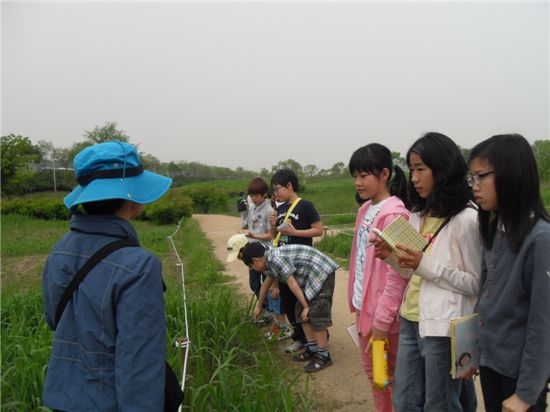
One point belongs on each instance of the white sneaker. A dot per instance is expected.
(295, 346)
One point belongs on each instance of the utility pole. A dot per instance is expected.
(53, 168)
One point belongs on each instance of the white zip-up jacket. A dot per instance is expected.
(450, 273)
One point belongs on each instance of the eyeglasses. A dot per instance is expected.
(476, 179)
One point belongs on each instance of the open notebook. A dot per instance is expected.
(401, 232)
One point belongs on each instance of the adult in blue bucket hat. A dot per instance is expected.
(113, 170)
(108, 352)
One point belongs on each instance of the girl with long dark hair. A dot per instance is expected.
(514, 302)
(444, 276)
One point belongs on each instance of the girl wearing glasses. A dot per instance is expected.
(444, 277)
(514, 301)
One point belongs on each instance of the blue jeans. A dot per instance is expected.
(468, 397)
(274, 304)
(422, 379)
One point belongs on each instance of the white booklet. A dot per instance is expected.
(464, 345)
(353, 333)
(401, 232)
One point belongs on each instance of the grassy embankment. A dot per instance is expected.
(230, 366)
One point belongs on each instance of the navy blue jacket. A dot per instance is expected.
(109, 348)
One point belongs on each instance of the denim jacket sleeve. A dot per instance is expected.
(140, 342)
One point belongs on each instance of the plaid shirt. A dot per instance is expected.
(309, 267)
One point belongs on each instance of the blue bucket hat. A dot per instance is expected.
(112, 170)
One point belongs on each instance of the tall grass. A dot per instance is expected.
(26, 346)
(230, 367)
(337, 246)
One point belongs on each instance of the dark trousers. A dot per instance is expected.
(468, 397)
(255, 280)
(497, 388)
(288, 304)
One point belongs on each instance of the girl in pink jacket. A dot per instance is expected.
(375, 290)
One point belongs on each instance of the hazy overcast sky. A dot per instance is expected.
(249, 84)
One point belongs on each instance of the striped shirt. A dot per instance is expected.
(309, 267)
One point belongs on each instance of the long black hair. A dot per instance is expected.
(372, 159)
(450, 193)
(517, 186)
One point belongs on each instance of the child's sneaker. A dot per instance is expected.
(304, 356)
(279, 333)
(295, 346)
(275, 330)
(284, 334)
(318, 363)
(263, 320)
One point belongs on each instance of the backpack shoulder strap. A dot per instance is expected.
(288, 212)
(85, 269)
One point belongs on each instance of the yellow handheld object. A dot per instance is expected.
(380, 372)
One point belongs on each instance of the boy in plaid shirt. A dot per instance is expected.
(309, 274)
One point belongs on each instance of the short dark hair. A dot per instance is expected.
(103, 207)
(257, 186)
(285, 176)
(519, 204)
(252, 250)
(451, 193)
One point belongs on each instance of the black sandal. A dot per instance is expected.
(303, 356)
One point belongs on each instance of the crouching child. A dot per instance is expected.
(309, 274)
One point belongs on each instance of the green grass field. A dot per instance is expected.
(231, 367)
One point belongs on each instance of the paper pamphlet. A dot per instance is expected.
(464, 345)
(401, 232)
(353, 333)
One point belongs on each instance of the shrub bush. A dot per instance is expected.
(169, 209)
(207, 200)
(41, 208)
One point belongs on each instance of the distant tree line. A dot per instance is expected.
(28, 167)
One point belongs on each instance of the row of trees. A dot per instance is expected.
(28, 167)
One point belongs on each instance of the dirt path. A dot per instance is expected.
(343, 387)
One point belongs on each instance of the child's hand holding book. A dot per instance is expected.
(408, 258)
(381, 250)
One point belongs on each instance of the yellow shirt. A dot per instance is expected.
(409, 310)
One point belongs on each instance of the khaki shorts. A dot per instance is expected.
(320, 307)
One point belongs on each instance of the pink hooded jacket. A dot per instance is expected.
(383, 287)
